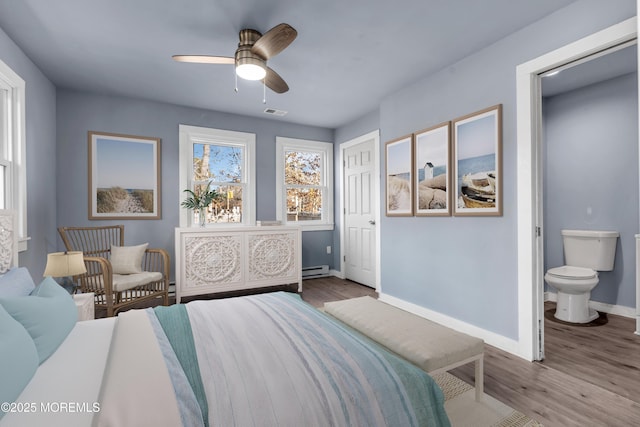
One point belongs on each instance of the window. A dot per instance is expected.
(13, 176)
(225, 162)
(5, 137)
(304, 187)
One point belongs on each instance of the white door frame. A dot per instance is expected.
(375, 135)
(529, 176)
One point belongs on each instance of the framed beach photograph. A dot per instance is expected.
(477, 162)
(398, 170)
(431, 169)
(124, 176)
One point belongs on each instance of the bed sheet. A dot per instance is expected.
(64, 390)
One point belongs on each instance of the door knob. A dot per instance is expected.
(372, 222)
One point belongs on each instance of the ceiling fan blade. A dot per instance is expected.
(204, 59)
(274, 41)
(274, 82)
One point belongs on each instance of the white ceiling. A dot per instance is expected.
(348, 56)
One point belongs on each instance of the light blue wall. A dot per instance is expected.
(40, 157)
(79, 113)
(361, 126)
(466, 267)
(591, 176)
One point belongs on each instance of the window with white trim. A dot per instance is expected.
(304, 183)
(13, 176)
(5, 137)
(223, 161)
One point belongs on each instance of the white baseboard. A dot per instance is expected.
(619, 310)
(503, 343)
(336, 273)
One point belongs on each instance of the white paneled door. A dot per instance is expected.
(360, 213)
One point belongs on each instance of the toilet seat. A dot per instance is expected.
(569, 272)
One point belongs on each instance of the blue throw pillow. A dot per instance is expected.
(18, 357)
(16, 282)
(48, 315)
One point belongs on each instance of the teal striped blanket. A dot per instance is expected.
(273, 360)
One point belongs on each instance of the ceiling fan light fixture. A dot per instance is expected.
(250, 68)
(250, 59)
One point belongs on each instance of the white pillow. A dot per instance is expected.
(127, 259)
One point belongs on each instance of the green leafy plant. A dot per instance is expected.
(199, 201)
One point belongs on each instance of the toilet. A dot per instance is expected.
(585, 253)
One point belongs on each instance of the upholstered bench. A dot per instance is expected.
(428, 345)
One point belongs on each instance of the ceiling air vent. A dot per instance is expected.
(274, 112)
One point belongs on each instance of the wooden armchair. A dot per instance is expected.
(115, 291)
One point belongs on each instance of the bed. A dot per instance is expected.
(269, 359)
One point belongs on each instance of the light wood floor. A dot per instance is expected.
(590, 377)
(318, 291)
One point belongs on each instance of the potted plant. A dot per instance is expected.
(200, 202)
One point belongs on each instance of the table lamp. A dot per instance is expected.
(65, 264)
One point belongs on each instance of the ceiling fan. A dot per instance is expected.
(250, 59)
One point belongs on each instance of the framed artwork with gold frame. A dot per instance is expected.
(477, 163)
(432, 170)
(124, 176)
(399, 177)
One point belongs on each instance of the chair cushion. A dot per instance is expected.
(123, 282)
(127, 259)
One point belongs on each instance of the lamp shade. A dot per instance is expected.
(63, 264)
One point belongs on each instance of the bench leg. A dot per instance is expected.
(479, 378)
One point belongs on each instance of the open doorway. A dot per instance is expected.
(590, 182)
(530, 176)
(590, 178)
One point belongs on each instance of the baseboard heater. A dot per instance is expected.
(317, 271)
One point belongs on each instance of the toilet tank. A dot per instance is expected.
(590, 248)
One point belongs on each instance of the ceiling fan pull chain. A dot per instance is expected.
(236, 81)
(264, 92)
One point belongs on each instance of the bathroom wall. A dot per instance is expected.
(591, 175)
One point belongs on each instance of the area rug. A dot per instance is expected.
(464, 411)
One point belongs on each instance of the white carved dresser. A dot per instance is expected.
(236, 258)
